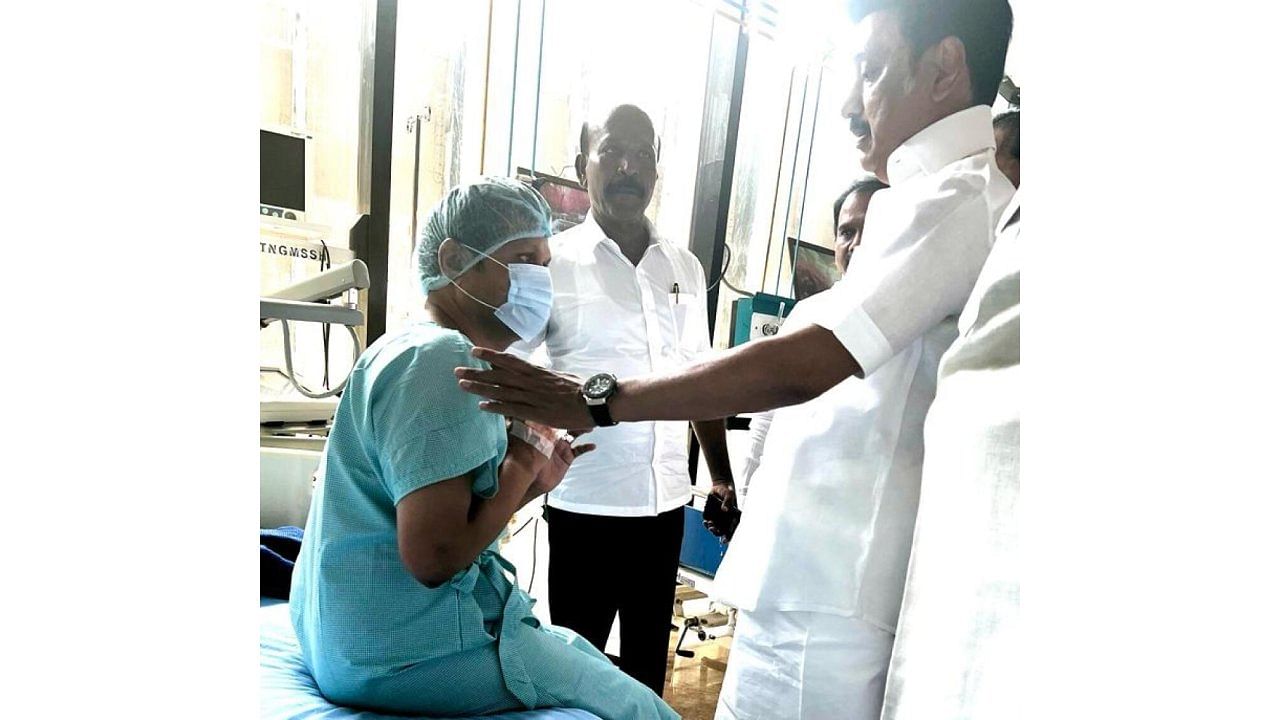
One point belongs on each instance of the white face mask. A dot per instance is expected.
(528, 307)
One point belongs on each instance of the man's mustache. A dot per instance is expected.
(625, 184)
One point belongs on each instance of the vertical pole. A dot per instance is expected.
(537, 91)
(791, 188)
(417, 158)
(515, 77)
(484, 115)
(713, 191)
(377, 246)
(714, 187)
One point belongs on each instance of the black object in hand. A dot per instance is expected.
(721, 521)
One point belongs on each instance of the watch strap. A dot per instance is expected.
(600, 414)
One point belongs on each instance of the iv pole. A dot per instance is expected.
(415, 127)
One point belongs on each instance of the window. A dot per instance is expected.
(596, 55)
(761, 169)
(833, 158)
(441, 51)
(311, 69)
(795, 155)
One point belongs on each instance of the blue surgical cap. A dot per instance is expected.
(483, 215)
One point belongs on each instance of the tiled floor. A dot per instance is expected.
(693, 687)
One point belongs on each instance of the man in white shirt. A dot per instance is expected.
(628, 299)
(956, 653)
(818, 565)
(848, 217)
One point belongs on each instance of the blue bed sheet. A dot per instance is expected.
(289, 693)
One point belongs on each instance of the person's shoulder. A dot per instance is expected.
(573, 241)
(436, 344)
(415, 390)
(422, 349)
(972, 177)
(967, 192)
(677, 251)
(682, 255)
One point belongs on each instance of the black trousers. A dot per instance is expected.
(602, 566)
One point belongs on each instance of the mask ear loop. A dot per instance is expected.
(462, 289)
(477, 251)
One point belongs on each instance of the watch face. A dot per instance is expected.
(598, 386)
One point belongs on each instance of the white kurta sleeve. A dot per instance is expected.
(909, 283)
(759, 432)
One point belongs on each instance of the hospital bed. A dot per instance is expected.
(287, 691)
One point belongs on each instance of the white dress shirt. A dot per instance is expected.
(833, 503)
(957, 654)
(612, 316)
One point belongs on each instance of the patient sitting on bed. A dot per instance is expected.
(400, 600)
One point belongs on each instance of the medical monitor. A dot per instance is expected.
(814, 268)
(568, 199)
(282, 171)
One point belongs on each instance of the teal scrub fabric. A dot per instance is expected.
(371, 634)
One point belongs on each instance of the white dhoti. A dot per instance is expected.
(804, 666)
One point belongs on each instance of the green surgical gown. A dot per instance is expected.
(371, 634)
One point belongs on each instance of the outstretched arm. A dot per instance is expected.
(760, 375)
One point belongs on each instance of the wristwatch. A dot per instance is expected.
(596, 391)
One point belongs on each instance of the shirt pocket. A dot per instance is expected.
(683, 308)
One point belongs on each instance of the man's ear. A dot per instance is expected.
(450, 257)
(952, 79)
(657, 153)
(580, 164)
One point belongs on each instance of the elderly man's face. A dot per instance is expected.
(890, 101)
(622, 167)
(853, 215)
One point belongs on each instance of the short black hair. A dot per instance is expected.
(984, 26)
(589, 129)
(1010, 124)
(868, 185)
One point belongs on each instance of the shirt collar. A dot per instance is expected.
(1010, 213)
(590, 226)
(598, 236)
(952, 138)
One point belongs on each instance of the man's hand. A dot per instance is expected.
(721, 514)
(724, 490)
(517, 389)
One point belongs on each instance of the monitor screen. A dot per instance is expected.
(568, 200)
(814, 268)
(283, 171)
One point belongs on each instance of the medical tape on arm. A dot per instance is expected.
(542, 444)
